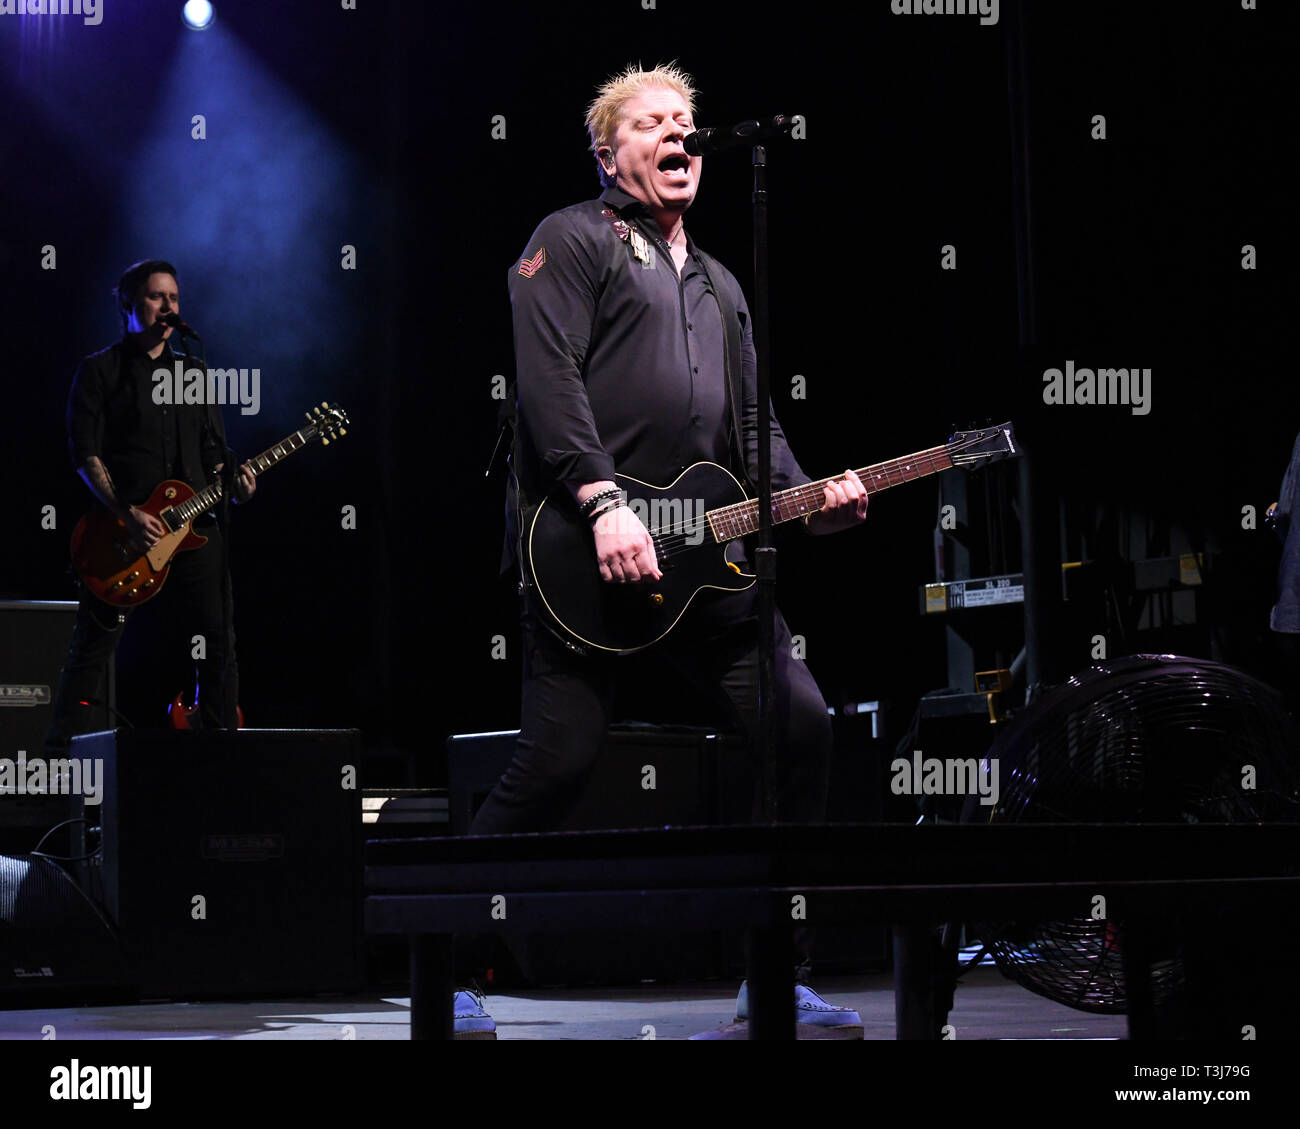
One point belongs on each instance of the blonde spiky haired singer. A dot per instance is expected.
(606, 108)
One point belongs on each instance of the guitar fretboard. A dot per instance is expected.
(741, 519)
(208, 497)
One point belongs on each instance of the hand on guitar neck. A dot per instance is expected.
(245, 482)
(845, 506)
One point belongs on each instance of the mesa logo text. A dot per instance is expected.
(29, 694)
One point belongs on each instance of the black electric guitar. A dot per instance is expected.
(692, 522)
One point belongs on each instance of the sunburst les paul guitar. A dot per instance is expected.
(692, 522)
(112, 566)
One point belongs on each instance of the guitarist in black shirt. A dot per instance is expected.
(123, 443)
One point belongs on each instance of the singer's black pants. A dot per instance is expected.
(567, 708)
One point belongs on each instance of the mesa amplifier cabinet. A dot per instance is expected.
(232, 859)
(34, 637)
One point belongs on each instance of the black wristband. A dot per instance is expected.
(591, 503)
(611, 504)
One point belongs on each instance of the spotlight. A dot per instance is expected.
(197, 14)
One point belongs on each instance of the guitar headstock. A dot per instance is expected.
(330, 421)
(985, 445)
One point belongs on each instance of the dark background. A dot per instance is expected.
(373, 128)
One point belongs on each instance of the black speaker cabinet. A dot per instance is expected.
(34, 636)
(232, 860)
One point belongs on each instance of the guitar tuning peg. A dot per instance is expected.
(343, 430)
(324, 403)
(324, 441)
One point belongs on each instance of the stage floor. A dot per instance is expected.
(987, 1006)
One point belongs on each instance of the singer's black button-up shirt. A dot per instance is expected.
(620, 362)
(112, 413)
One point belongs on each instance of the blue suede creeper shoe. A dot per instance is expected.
(470, 1018)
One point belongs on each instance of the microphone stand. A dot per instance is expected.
(770, 947)
(765, 554)
(229, 710)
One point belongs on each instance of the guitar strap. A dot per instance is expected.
(733, 361)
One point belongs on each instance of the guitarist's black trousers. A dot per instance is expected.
(568, 702)
(159, 643)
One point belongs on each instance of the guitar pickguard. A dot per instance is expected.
(166, 547)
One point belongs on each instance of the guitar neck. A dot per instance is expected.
(741, 519)
(208, 497)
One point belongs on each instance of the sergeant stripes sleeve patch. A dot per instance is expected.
(529, 267)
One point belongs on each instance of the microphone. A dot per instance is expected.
(712, 140)
(174, 320)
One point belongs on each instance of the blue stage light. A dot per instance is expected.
(197, 14)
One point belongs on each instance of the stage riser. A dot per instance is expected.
(701, 777)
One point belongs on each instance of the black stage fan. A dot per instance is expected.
(1144, 739)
